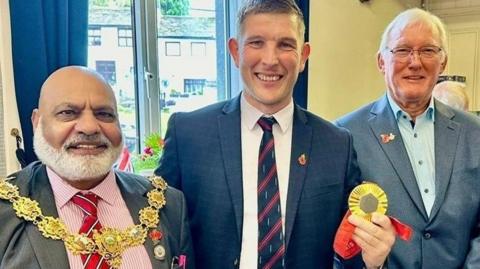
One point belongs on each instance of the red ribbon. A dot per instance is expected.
(347, 248)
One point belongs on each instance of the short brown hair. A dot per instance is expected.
(250, 7)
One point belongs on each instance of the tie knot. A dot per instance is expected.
(266, 123)
(87, 202)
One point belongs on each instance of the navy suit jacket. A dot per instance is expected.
(202, 157)
(450, 234)
(22, 246)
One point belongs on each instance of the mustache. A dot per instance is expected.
(95, 139)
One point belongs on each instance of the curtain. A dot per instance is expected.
(8, 109)
(300, 92)
(46, 35)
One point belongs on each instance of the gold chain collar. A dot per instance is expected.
(108, 242)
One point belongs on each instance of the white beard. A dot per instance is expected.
(74, 167)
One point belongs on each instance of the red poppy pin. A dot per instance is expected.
(302, 159)
(386, 138)
(155, 235)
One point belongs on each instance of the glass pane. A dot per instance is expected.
(110, 52)
(188, 56)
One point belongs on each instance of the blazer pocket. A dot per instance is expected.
(315, 191)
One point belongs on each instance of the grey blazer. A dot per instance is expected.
(22, 245)
(449, 237)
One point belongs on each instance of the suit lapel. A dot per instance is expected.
(383, 122)
(447, 133)
(49, 253)
(134, 195)
(301, 144)
(229, 130)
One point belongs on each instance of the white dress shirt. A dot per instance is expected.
(251, 138)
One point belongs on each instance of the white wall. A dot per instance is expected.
(345, 35)
(8, 109)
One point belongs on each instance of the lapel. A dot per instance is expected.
(134, 195)
(447, 133)
(229, 130)
(382, 121)
(301, 144)
(49, 253)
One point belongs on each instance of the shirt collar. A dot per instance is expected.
(64, 192)
(398, 112)
(251, 114)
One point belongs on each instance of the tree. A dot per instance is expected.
(111, 3)
(175, 7)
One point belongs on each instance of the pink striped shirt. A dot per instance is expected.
(112, 212)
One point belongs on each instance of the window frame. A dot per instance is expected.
(123, 38)
(93, 35)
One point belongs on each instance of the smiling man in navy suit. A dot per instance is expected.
(266, 181)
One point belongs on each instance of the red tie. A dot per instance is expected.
(88, 204)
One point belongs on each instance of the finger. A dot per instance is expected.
(369, 235)
(382, 221)
(365, 225)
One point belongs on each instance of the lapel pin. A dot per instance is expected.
(386, 138)
(159, 252)
(155, 235)
(302, 159)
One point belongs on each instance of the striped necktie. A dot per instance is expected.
(271, 246)
(88, 204)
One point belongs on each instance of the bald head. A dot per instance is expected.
(73, 80)
(452, 93)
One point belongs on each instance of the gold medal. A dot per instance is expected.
(367, 198)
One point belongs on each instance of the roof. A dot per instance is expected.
(168, 26)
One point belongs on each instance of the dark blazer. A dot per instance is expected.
(202, 157)
(23, 246)
(444, 239)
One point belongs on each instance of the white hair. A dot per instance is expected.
(70, 166)
(413, 16)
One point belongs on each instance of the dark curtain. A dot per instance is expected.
(300, 93)
(46, 35)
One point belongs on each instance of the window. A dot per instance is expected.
(124, 37)
(162, 60)
(172, 49)
(194, 86)
(198, 49)
(107, 70)
(94, 36)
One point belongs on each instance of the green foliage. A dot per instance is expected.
(175, 7)
(155, 142)
(111, 3)
(151, 154)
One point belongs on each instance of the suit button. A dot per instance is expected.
(427, 235)
(235, 263)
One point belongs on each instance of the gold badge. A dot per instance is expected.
(367, 198)
(159, 252)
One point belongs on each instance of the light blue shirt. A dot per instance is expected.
(419, 143)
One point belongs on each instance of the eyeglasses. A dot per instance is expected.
(425, 53)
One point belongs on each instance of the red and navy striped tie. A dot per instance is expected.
(271, 246)
(88, 204)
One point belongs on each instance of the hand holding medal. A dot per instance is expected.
(365, 200)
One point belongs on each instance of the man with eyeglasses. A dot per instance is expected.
(424, 154)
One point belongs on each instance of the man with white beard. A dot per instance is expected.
(71, 209)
